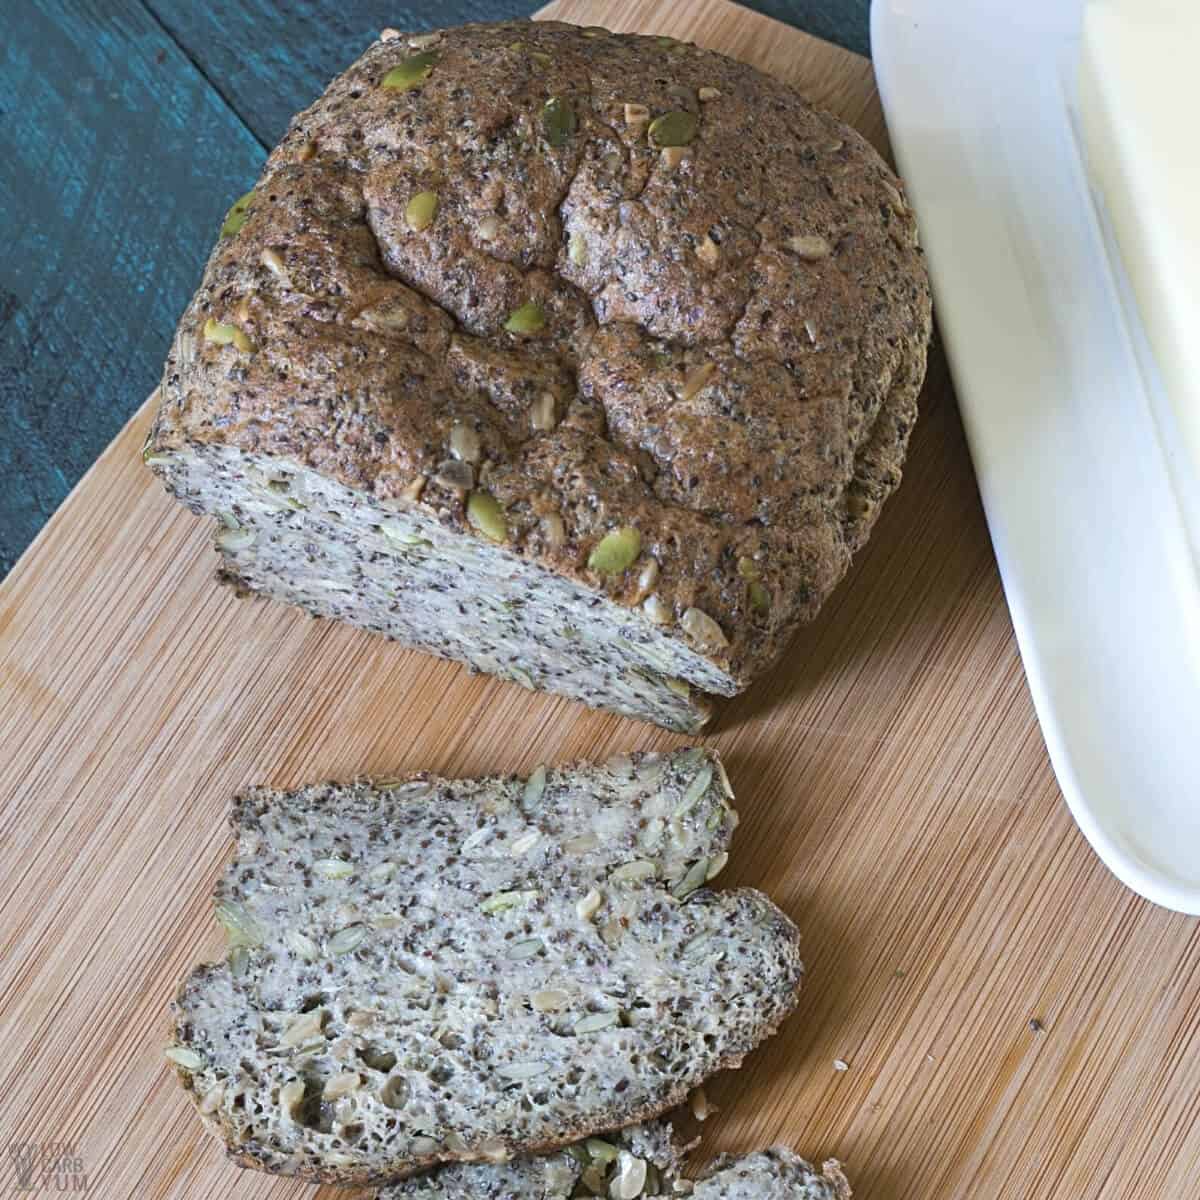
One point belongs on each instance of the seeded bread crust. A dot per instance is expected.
(618, 1167)
(437, 970)
(734, 329)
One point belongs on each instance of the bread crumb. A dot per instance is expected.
(839, 1065)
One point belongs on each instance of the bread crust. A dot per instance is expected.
(734, 330)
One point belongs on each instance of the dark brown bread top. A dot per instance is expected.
(734, 329)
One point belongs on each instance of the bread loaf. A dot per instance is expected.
(434, 970)
(584, 359)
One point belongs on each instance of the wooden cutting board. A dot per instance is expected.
(988, 1013)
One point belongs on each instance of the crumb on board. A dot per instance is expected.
(840, 1065)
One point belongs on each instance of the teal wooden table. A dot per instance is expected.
(126, 129)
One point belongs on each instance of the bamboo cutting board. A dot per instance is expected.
(1011, 1021)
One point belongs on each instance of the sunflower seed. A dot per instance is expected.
(499, 901)
(630, 1178)
(708, 93)
(600, 1151)
(535, 787)
(701, 1109)
(519, 1071)
(424, 1145)
(697, 874)
(587, 907)
(594, 1022)
(465, 443)
(524, 843)
(333, 868)
(708, 252)
(700, 626)
(304, 1028)
(212, 1099)
(189, 1060)
(633, 872)
(341, 1084)
(234, 541)
(581, 843)
(273, 262)
(301, 945)
(542, 415)
(577, 250)
(694, 790)
(809, 247)
(347, 939)
(550, 1000)
(716, 865)
(636, 115)
(696, 381)
(655, 608)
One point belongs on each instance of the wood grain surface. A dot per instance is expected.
(1012, 1022)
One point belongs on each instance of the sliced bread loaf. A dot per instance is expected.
(643, 1160)
(585, 359)
(436, 970)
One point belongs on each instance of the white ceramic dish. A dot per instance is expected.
(1087, 505)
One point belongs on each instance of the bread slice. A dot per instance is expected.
(643, 1155)
(434, 970)
(643, 1160)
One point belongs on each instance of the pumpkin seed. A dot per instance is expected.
(410, 72)
(485, 514)
(236, 217)
(421, 210)
(529, 318)
(760, 598)
(675, 128)
(240, 927)
(616, 551)
(558, 121)
(526, 948)
(188, 1059)
(595, 31)
(216, 332)
(600, 1151)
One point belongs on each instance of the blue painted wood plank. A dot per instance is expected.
(119, 162)
(272, 59)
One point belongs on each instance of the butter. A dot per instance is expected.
(1139, 118)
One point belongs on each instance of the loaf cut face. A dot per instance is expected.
(436, 970)
(643, 1160)
(584, 359)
